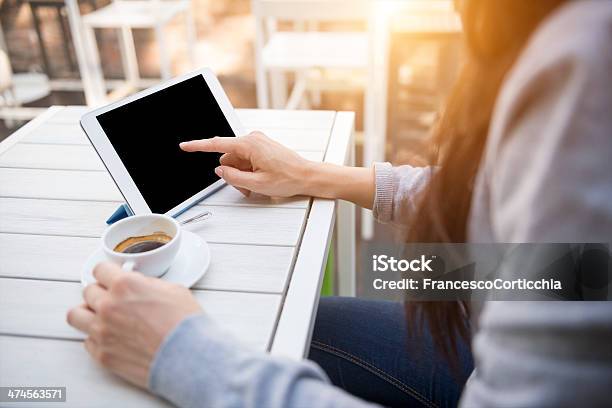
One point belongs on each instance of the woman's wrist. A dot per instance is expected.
(309, 178)
(324, 180)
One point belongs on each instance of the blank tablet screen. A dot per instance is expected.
(146, 134)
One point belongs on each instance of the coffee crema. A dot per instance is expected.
(143, 243)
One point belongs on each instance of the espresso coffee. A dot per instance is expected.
(143, 243)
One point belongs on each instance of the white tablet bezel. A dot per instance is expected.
(115, 166)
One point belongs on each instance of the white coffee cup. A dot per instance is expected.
(151, 263)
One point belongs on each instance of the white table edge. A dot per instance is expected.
(20, 133)
(296, 321)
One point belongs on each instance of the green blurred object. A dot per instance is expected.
(327, 289)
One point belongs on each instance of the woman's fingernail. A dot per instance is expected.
(219, 171)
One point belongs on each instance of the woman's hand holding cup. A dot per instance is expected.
(126, 316)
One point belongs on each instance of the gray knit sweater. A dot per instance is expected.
(546, 176)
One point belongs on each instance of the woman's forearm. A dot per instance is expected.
(355, 184)
(256, 163)
(201, 365)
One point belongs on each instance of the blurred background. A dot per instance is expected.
(392, 62)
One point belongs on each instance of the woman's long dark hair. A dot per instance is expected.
(495, 33)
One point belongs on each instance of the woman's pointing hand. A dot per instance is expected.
(256, 163)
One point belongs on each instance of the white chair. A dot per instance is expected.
(318, 59)
(324, 60)
(126, 15)
(19, 89)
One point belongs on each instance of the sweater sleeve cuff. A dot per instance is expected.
(180, 359)
(383, 197)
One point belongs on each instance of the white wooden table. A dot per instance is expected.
(268, 255)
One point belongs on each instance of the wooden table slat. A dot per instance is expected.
(57, 133)
(66, 363)
(298, 139)
(287, 119)
(72, 157)
(72, 134)
(99, 186)
(290, 119)
(69, 114)
(248, 316)
(235, 225)
(248, 268)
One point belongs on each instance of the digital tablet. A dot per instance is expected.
(138, 139)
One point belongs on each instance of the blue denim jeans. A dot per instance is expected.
(367, 348)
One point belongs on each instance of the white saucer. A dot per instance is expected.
(190, 265)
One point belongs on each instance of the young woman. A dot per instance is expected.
(524, 156)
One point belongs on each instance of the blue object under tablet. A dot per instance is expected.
(120, 213)
(124, 210)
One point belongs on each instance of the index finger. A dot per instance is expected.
(106, 273)
(215, 144)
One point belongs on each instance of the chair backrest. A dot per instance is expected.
(311, 10)
(6, 72)
(304, 15)
(6, 75)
